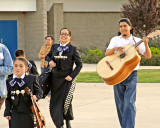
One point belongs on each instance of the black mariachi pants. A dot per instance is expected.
(59, 90)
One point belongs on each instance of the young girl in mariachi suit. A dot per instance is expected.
(18, 103)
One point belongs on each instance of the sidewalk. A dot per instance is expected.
(94, 107)
(92, 67)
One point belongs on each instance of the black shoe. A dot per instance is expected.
(68, 124)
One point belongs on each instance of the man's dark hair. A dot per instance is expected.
(128, 22)
(19, 52)
(125, 20)
(49, 36)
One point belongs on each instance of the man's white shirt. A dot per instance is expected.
(119, 41)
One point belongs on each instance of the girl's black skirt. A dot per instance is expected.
(22, 120)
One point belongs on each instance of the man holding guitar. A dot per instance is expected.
(125, 91)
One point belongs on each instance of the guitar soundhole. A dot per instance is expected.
(109, 65)
(122, 55)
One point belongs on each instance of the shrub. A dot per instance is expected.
(83, 51)
(93, 56)
(154, 61)
(154, 43)
(155, 51)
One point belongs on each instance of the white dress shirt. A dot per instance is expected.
(119, 41)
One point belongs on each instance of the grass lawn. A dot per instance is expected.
(144, 76)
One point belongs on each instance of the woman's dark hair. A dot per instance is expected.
(49, 36)
(19, 52)
(24, 60)
(128, 22)
(69, 31)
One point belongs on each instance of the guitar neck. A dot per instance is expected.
(137, 44)
(33, 101)
(153, 35)
(36, 105)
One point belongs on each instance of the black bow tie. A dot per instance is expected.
(18, 80)
(63, 48)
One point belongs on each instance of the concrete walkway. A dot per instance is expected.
(92, 67)
(94, 107)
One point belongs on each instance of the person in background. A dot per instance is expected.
(18, 108)
(61, 58)
(6, 68)
(32, 68)
(44, 51)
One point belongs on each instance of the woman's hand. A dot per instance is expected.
(68, 78)
(8, 117)
(52, 64)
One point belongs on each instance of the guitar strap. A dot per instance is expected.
(136, 47)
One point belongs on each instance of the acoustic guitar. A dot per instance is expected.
(40, 120)
(117, 67)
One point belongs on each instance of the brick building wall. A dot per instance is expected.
(92, 29)
(89, 29)
(35, 30)
(55, 20)
(31, 27)
(20, 17)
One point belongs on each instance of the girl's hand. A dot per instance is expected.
(8, 117)
(34, 98)
(68, 78)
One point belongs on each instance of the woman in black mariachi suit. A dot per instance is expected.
(61, 57)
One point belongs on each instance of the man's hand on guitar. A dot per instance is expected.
(119, 49)
(145, 40)
(112, 51)
(147, 53)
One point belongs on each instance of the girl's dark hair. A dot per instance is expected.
(69, 31)
(24, 60)
(128, 22)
